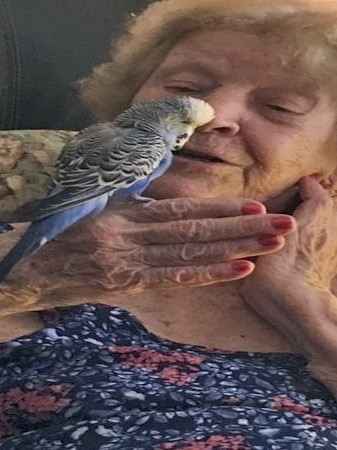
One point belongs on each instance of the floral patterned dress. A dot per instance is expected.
(95, 378)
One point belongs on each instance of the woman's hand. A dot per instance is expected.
(291, 288)
(307, 262)
(310, 255)
(161, 244)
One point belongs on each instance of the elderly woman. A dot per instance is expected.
(238, 253)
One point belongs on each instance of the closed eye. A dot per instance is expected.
(182, 90)
(280, 108)
(283, 110)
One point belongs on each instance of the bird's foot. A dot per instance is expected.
(140, 198)
(5, 227)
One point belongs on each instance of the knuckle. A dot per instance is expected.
(247, 225)
(177, 276)
(185, 275)
(244, 248)
(181, 207)
(192, 229)
(156, 256)
(192, 276)
(163, 210)
(170, 276)
(196, 230)
(325, 202)
(123, 277)
(157, 210)
(190, 252)
(199, 275)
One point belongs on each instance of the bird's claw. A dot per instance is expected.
(5, 227)
(140, 198)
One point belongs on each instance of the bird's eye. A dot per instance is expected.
(186, 122)
(182, 136)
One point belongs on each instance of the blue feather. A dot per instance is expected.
(111, 159)
(46, 229)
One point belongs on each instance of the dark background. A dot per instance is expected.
(45, 46)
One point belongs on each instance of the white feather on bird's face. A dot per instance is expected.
(181, 125)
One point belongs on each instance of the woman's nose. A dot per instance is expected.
(229, 109)
(229, 128)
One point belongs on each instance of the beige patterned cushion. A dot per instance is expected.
(27, 158)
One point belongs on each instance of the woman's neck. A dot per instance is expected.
(211, 316)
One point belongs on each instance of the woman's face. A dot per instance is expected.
(273, 125)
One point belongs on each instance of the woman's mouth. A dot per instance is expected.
(192, 154)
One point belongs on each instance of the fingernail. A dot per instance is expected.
(252, 208)
(282, 223)
(241, 266)
(269, 241)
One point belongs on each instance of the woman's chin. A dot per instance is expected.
(160, 190)
(174, 184)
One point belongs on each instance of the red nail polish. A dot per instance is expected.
(251, 208)
(269, 241)
(241, 266)
(282, 223)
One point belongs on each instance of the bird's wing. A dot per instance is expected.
(102, 158)
(106, 154)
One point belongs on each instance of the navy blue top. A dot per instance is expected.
(95, 378)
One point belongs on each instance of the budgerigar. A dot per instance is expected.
(118, 159)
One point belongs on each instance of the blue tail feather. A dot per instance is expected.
(46, 229)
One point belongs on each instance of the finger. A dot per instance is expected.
(171, 277)
(315, 200)
(311, 189)
(210, 252)
(190, 208)
(218, 229)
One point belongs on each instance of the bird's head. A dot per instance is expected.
(182, 116)
(174, 118)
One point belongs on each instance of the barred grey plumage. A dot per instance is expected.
(118, 158)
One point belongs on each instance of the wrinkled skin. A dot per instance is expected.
(270, 139)
(162, 244)
(291, 288)
(273, 126)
